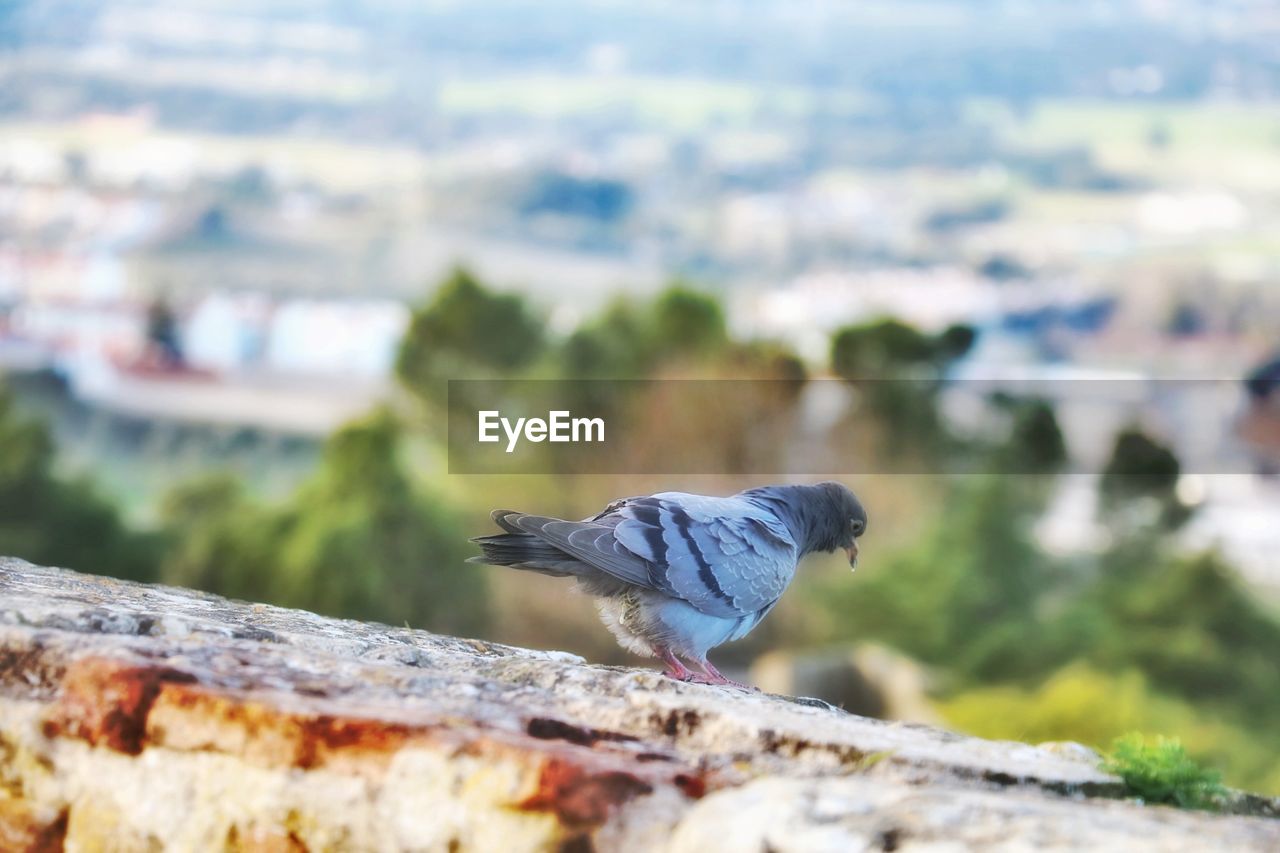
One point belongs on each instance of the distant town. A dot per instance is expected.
(221, 216)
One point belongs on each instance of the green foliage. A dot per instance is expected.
(619, 344)
(1161, 772)
(1187, 622)
(1076, 703)
(688, 323)
(467, 331)
(965, 595)
(1139, 482)
(219, 540)
(871, 350)
(630, 340)
(1083, 704)
(769, 360)
(1035, 444)
(954, 342)
(887, 348)
(975, 597)
(56, 521)
(359, 540)
(682, 334)
(896, 369)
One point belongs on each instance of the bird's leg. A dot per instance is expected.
(678, 671)
(675, 669)
(717, 677)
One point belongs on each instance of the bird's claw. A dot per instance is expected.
(738, 685)
(678, 671)
(719, 678)
(689, 677)
(692, 678)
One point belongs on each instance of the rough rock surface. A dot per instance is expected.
(135, 717)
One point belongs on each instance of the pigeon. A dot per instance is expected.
(673, 574)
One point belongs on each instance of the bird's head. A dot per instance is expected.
(822, 517)
(848, 519)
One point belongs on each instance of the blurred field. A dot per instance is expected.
(1179, 143)
(672, 104)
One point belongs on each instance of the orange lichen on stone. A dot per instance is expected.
(266, 731)
(28, 828)
(579, 797)
(106, 701)
(260, 840)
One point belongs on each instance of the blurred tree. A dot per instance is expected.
(682, 333)
(219, 540)
(688, 323)
(1188, 622)
(770, 360)
(897, 369)
(467, 331)
(58, 522)
(618, 344)
(358, 540)
(967, 595)
(631, 340)
(1036, 444)
(889, 347)
(1139, 483)
(362, 541)
(954, 342)
(872, 350)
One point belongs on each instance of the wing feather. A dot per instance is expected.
(725, 556)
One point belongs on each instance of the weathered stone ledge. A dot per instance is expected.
(137, 717)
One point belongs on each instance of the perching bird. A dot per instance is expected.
(675, 575)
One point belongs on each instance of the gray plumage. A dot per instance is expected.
(675, 575)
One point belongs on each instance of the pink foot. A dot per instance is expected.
(680, 672)
(675, 669)
(716, 677)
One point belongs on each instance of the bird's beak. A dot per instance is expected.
(852, 551)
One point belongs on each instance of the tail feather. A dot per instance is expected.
(520, 550)
(522, 547)
(505, 518)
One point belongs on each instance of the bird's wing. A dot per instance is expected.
(592, 542)
(725, 556)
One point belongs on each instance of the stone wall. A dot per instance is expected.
(136, 718)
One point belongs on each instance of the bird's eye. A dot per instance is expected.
(857, 526)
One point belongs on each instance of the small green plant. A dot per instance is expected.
(1160, 771)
